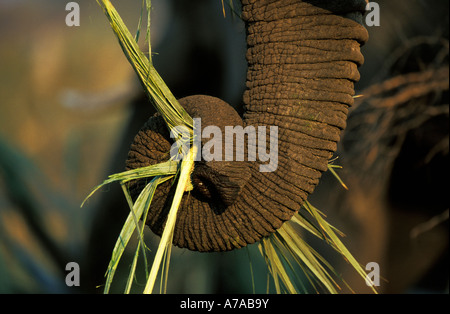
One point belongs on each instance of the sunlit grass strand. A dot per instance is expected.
(340, 247)
(166, 168)
(303, 253)
(275, 266)
(125, 235)
(166, 104)
(166, 238)
(141, 244)
(136, 211)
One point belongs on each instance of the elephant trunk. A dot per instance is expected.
(302, 64)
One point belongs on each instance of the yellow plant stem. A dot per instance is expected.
(187, 165)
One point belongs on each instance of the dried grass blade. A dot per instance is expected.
(337, 244)
(165, 168)
(330, 168)
(166, 104)
(303, 253)
(275, 265)
(143, 201)
(166, 239)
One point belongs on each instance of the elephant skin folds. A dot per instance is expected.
(303, 59)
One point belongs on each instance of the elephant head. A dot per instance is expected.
(302, 64)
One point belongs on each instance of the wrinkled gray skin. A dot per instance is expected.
(302, 64)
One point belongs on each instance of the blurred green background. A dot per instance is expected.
(70, 105)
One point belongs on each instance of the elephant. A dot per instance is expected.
(303, 59)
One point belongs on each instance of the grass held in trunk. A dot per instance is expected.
(284, 251)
